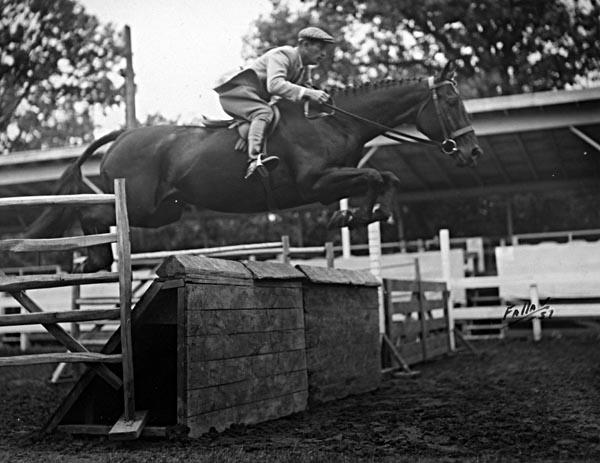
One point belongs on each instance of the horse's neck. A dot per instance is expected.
(389, 104)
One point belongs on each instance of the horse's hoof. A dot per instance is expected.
(340, 219)
(380, 215)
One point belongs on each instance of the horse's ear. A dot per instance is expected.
(449, 71)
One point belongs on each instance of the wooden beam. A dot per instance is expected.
(59, 317)
(18, 283)
(67, 357)
(58, 200)
(70, 243)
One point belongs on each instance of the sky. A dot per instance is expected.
(180, 48)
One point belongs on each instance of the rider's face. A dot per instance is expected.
(313, 52)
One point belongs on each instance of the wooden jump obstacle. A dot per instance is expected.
(219, 342)
(416, 325)
(129, 422)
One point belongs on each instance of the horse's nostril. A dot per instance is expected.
(477, 151)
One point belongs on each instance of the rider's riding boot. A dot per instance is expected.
(256, 158)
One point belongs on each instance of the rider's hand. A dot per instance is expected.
(318, 96)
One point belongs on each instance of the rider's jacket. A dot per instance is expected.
(279, 71)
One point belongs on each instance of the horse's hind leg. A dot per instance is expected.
(94, 220)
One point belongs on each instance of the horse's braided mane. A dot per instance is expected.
(349, 89)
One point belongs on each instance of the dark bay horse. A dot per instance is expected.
(168, 166)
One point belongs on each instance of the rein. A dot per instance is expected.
(448, 145)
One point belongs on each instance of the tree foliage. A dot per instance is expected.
(500, 46)
(56, 63)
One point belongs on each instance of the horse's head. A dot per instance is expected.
(443, 117)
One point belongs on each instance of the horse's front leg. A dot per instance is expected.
(337, 183)
(383, 209)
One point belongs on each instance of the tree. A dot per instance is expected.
(500, 46)
(56, 63)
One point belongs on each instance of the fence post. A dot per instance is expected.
(125, 277)
(445, 253)
(329, 255)
(345, 232)
(374, 232)
(420, 298)
(536, 323)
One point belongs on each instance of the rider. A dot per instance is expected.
(279, 73)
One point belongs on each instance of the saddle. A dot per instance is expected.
(242, 126)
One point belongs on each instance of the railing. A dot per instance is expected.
(131, 423)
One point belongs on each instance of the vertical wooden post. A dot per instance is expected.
(130, 117)
(329, 255)
(124, 252)
(422, 315)
(446, 274)
(536, 323)
(445, 296)
(345, 232)
(374, 232)
(285, 249)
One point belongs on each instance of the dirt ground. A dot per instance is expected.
(517, 401)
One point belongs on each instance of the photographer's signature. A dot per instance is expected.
(527, 312)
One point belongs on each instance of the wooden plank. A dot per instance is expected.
(216, 372)
(53, 200)
(212, 322)
(69, 243)
(59, 317)
(216, 347)
(407, 286)
(324, 275)
(272, 270)
(406, 308)
(103, 430)
(129, 428)
(21, 283)
(413, 286)
(239, 297)
(201, 267)
(248, 390)
(66, 357)
(131, 422)
(434, 324)
(100, 300)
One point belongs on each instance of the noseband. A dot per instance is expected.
(448, 144)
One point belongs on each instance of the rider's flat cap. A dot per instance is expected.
(314, 33)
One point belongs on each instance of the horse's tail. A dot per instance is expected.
(53, 221)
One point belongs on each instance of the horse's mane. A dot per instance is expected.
(362, 87)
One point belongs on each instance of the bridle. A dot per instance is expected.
(448, 145)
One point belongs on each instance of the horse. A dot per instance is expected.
(168, 166)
